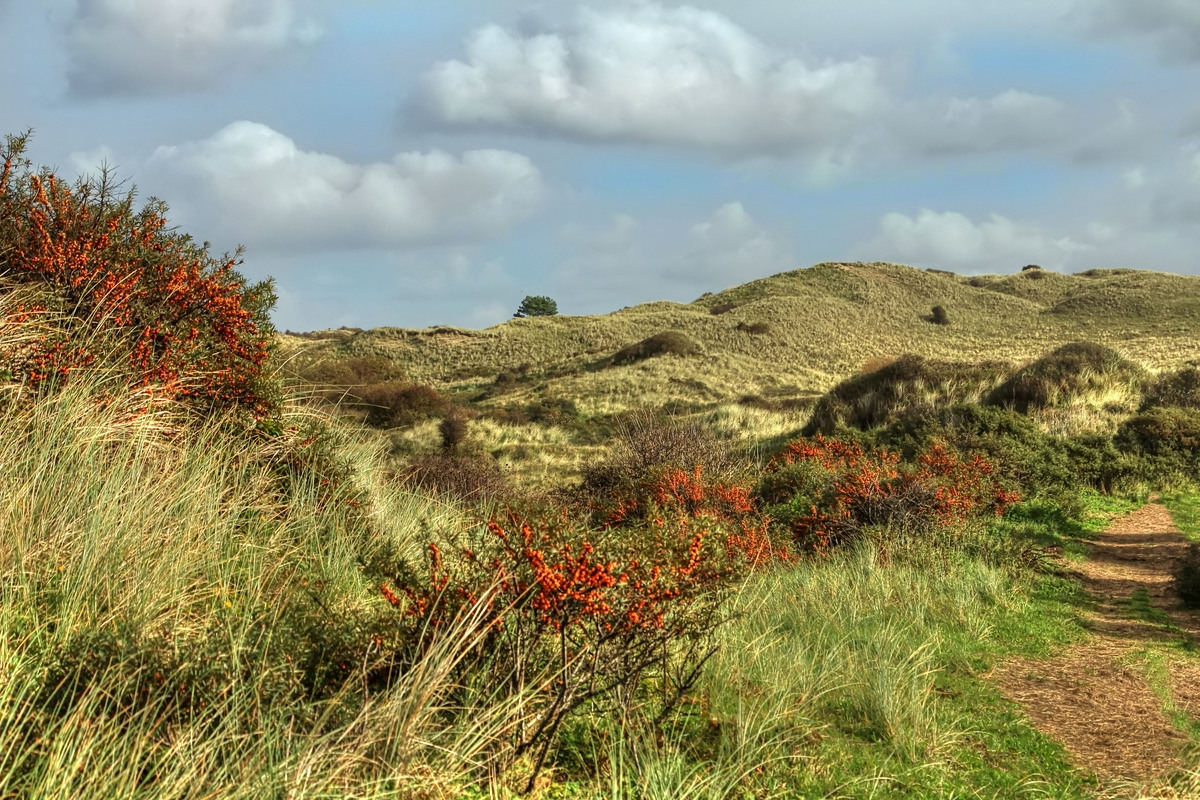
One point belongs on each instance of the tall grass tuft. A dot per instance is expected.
(183, 614)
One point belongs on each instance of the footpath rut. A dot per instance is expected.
(1095, 697)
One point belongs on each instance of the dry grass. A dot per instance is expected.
(824, 322)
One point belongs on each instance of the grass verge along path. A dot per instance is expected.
(1124, 701)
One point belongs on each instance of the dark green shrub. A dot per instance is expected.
(393, 404)
(754, 328)
(552, 411)
(355, 371)
(1187, 577)
(1180, 389)
(1064, 374)
(1163, 445)
(453, 430)
(665, 343)
(1013, 443)
(909, 385)
(938, 316)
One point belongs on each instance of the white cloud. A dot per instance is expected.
(156, 46)
(730, 245)
(684, 76)
(1172, 25)
(950, 240)
(648, 73)
(254, 184)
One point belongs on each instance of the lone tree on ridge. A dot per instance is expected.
(540, 306)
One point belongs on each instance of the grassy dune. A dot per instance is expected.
(823, 322)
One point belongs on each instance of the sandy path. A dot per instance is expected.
(1093, 697)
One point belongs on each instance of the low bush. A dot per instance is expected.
(1165, 443)
(395, 403)
(938, 316)
(1187, 577)
(849, 488)
(1066, 374)
(1179, 388)
(453, 430)
(348, 372)
(645, 444)
(469, 478)
(754, 328)
(907, 385)
(665, 343)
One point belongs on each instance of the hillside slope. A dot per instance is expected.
(792, 335)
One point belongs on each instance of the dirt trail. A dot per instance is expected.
(1093, 697)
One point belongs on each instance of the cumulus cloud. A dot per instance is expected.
(647, 73)
(950, 240)
(1172, 25)
(730, 245)
(689, 77)
(256, 185)
(156, 46)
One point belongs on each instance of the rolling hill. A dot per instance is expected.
(785, 338)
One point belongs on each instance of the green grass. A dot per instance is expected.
(878, 660)
(1185, 511)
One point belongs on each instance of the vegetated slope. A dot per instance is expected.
(794, 334)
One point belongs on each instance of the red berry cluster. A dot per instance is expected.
(866, 486)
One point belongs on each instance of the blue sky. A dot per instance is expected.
(420, 162)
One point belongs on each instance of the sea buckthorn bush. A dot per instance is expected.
(590, 616)
(112, 287)
(827, 491)
(576, 618)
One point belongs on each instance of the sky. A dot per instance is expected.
(432, 162)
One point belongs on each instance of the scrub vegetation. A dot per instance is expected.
(771, 543)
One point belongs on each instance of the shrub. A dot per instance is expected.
(115, 287)
(646, 443)
(754, 328)
(1013, 443)
(1180, 389)
(1187, 577)
(850, 488)
(939, 316)
(453, 430)
(471, 479)
(575, 618)
(393, 404)
(1029, 267)
(665, 343)
(346, 372)
(537, 306)
(1067, 373)
(1165, 443)
(909, 384)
